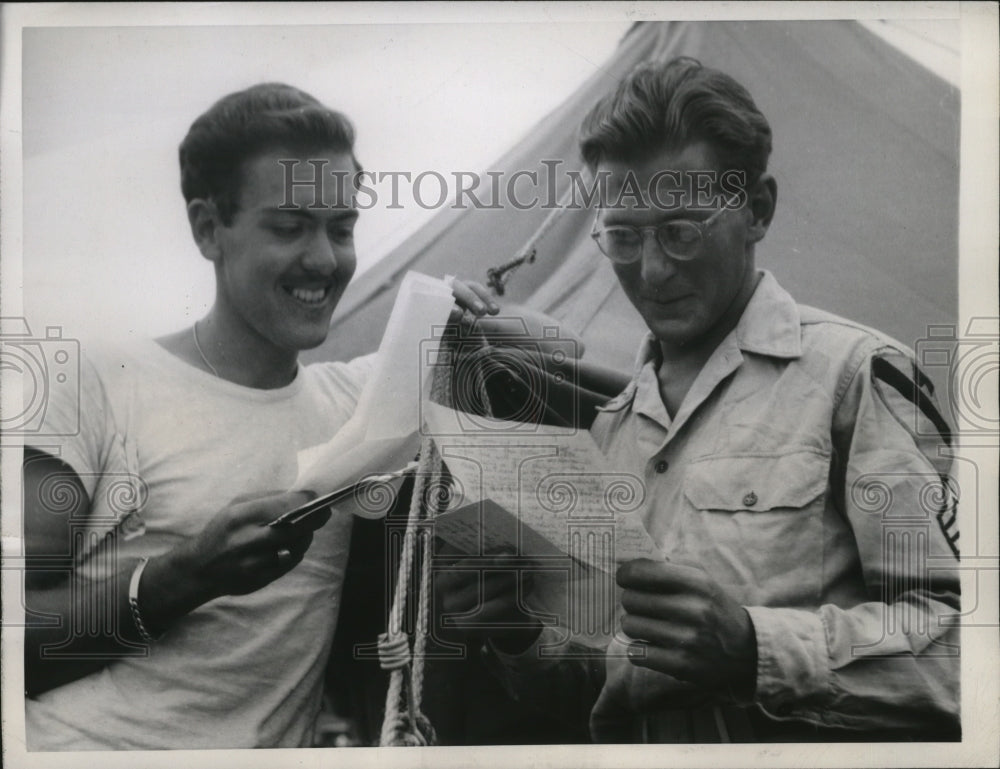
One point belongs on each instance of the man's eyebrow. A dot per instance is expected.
(614, 217)
(345, 214)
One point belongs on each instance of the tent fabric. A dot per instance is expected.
(866, 159)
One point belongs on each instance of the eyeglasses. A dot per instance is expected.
(681, 239)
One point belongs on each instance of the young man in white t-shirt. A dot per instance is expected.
(180, 620)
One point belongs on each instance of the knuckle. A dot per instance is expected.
(703, 614)
(689, 641)
(229, 520)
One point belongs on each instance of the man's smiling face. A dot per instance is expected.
(282, 269)
(682, 302)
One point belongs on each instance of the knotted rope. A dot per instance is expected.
(404, 723)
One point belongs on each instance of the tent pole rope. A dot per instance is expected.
(497, 277)
(423, 614)
(399, 727)
(404, 723)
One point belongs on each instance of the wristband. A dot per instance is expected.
(133, 601)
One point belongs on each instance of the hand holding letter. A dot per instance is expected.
(686, 625)
(481, 599)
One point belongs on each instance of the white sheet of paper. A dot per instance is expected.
(389, 404)
(383, 434)
(557, 484)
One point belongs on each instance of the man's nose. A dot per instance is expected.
(320, 256)
(656, 265)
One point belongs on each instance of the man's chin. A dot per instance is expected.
(308, 337)
(312, 341)
(674, 332)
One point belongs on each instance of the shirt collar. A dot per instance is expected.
(770, 323)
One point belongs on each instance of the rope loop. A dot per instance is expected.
(421, 735)
(393, 651)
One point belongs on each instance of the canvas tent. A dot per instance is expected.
(866, 157)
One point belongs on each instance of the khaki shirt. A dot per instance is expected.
(800, 474)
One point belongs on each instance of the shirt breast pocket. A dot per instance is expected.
(756, 523)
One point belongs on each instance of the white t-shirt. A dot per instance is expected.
(240, 671)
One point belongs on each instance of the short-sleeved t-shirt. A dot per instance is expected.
(161, 447)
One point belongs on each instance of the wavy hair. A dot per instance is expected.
(244, 125)
(668, 105)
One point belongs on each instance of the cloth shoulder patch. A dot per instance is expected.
(947, 515)
(909, 395)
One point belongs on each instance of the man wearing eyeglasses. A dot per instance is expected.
(809, 588)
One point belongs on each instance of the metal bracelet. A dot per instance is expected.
(133, 601)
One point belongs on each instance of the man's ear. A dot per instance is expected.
(205, 225)
(763, 198)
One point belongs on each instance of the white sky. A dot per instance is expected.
(106, 244)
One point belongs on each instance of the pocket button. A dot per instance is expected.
(661, 466)
(749, 499)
